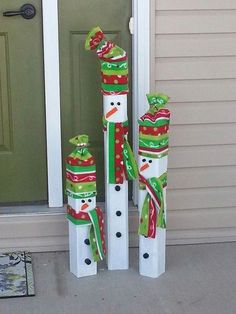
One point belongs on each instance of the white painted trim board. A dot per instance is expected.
(140, 70)
(52, 102)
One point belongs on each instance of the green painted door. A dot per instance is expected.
(22, 116)
(81, 99)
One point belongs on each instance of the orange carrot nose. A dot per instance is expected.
(111, 112)
(144, 167)
(84, 206)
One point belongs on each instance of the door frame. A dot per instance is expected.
(44, 230)
(52, 102)
(140, 78)
(140, 69)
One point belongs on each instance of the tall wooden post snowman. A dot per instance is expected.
(152, 162)
(86, 224)
(120, 164)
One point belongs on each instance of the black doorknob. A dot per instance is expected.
(27, 11)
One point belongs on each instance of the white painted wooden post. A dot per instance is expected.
(116, 197)
(152, 251)
(152, 162)
(119, 161)
(81, 259)
(86, 223)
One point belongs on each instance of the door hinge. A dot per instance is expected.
(131, 25)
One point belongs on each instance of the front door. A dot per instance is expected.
(81, 99)
(22, 116)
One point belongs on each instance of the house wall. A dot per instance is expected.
(193, 56)
(193, 60)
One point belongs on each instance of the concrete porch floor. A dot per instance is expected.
(200, 279)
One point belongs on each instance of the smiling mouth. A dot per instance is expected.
(111, 112)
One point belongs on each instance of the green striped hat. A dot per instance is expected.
(153, 127)
(80, 170)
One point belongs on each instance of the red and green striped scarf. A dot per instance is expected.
(96, 236)
(121, 161)
(152, 213)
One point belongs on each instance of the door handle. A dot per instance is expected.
(27, 11)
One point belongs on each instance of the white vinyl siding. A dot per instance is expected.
(193, 60)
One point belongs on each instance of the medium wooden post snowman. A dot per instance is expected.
(152, 162)
(120, 164)
(86, 224)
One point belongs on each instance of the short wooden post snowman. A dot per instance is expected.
(152, 162)
(120, 164)
(86, 224)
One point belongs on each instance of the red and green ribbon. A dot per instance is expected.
(153, 212)
(96, 233)
(80, 170)
(113, 60)
(121, 161)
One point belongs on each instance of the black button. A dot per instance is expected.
(117, 188)
(88, 261)
(118, 234)
(145, 255)
(118, 213)
(86, 241)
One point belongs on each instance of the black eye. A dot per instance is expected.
(150, 161)
(118, 104)
(143, 160)
(112, 103)
(89, 200)
(83, 201)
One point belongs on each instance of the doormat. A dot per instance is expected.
(16, 275)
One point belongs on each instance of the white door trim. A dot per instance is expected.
(47, 231)
(141, 86)
(141, 69)
(52, 102)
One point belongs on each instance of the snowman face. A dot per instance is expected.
(115, 108)
(152, 167)
(87, 204)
